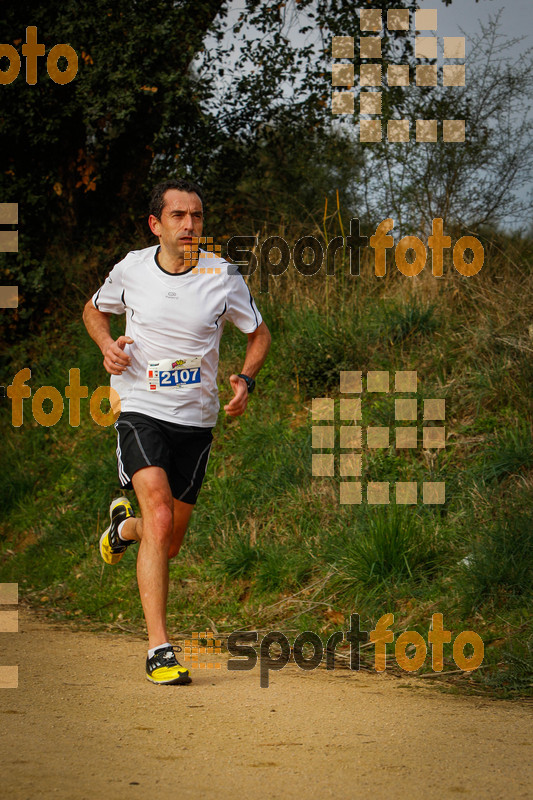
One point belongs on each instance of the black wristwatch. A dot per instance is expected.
(249, 382)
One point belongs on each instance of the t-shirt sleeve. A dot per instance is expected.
(110, 296)
(241, 308)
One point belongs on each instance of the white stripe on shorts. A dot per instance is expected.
(123, 477)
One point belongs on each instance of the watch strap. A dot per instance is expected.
(250, 383)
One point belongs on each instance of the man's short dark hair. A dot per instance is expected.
(157, 199)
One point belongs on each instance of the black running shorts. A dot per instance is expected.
(181, 450)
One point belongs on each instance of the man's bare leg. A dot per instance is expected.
(160, 533)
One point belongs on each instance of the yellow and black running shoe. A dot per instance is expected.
(164, 669)
(112, 547)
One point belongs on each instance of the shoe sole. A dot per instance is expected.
(175, 682)
(116, 556)
(116, 502)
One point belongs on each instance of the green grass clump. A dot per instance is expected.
(500, 564)
(317, 351)
(410, 320)
(391, 545)
(511, 453)
(239, 558)
(281, 569)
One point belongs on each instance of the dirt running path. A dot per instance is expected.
(69, 732)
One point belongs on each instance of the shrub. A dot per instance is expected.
(501, 561)
(392, 545)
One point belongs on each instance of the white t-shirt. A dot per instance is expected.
(175, 321)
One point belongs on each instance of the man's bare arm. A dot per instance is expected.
(97, 324)
(256, 350)
(256, 353)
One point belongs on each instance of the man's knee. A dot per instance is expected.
(158, 520)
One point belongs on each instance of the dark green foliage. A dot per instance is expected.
(321, 347)
(514, 675)
(500, 564)
(510, 453)
(405, 322)
(319, 351)
(239, 558)
(281, 568)
(269, 49)
(281, 177)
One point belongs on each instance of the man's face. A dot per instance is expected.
(181, 219)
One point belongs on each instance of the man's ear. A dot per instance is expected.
(154, 223)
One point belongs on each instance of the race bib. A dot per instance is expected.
(173, 373)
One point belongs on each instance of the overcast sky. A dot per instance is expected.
(516, 19)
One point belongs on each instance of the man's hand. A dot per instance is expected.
(238, 403)
(115, 359)
(97, 324)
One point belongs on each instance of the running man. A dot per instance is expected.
(177, 299)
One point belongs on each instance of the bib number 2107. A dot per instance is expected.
(176, 377)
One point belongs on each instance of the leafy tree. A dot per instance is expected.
(471, 184)
(77, 156)
(282, 61)
(284, 151)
